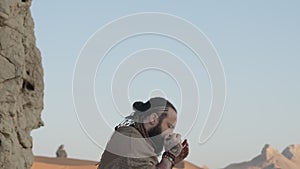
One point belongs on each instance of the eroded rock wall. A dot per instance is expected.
(21, 84)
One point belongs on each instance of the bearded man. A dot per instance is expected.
(138, 141)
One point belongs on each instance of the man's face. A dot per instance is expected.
(165, 127)
(168, 123)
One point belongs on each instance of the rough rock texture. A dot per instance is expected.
(21, 84)
(292, 152)
(270, 158)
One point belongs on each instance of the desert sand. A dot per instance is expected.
(69, 163)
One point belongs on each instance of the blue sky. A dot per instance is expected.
(258, 44)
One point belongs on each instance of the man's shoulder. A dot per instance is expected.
(129, 131)
(127, 141)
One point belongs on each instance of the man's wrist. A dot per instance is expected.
(170, 157)
(167, 163)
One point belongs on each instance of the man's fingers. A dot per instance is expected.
(178, 136)
(184, 143)
(173, 141)
(185, 149)
(184, 154)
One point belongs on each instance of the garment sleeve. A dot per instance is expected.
(142, 163)
(144, 156)
(128, 144)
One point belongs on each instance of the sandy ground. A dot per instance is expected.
(62, 163)
(68, 163)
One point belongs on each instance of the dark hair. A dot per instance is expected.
(156, 104)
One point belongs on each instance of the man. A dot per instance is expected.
(142, 136)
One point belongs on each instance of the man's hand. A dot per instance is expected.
(184, 152)
(173, 144)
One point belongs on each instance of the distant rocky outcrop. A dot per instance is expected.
(21, 84)
(61, 152)
(292, 152)
(270, 158)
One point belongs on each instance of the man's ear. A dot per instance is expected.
(154, 119)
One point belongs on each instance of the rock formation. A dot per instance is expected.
(21, 84)
(61, 152)
(292, 152)
(270, 158)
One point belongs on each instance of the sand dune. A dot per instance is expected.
(62, 163)
(37, 165)
(68, 163)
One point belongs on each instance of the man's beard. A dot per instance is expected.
(156, 137)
